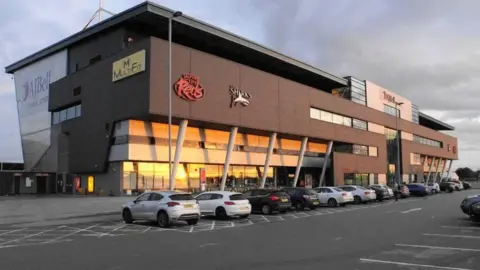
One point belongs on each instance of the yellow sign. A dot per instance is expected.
(128, 66)
(91, 184)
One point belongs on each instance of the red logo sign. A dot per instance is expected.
(188, 87)
(454, 148)
(388, 97)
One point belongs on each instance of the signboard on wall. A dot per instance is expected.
(91, 184)
(203, 179)
(128, 66)
(32, 90)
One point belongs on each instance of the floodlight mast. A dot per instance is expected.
(98, 14)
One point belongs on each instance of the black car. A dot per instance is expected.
(466, 185)
(446, 187)
(268, 201)
(381, 192)
(302, 197)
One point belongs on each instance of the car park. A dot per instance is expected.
(162, 207)
(417, 189)
(302, 197)
(333, 196)
(380, 191)
(223, 204)
(467, 203)
(360, 194)
(268, 201)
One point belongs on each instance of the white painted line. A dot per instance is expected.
(147, 229)
(411, 210)
(9, 232)
(208, 245)
(116, 229)
(266, 219)
(412, 264)
(461, 227)
(436, 247)
(28, 236)
(452, 236)
(213, 225)
(34, 244)
(75, 232)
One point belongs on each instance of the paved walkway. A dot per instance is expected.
(28, 209)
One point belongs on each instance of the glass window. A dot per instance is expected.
(181, 197)
(359, 124)
(237, 197)
(358, 96)
(155, 197)
(326, 116)
(337, 119)
(56, 117)
(315, 113)
(78, 110)
(347, 121)
(357, 85)
(360, 150)
(362, 102)
(70, 113)
(63, 115)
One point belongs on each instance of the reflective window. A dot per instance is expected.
(337, 119)
(63, 115)
(67, 114)
(391, 110)
(359, 124)
(70, 113)
(360, 150)
(326, 116)
(426, 141)
(315, 113)
(55, 117)
(78, 110)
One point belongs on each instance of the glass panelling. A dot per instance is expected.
(358, 101)
(360, 150)
(358, 96)
(315, 113)
(357, 90)
(63, 115)
(337, 119)
(359, 124)
(326, 116)
(358, 179)
(347, 121)
(78, 110)
(70, 113)
(67, 114)
(56, 117)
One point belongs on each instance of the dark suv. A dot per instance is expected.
(268, 201)
(302, 197)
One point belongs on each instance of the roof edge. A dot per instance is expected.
(57, 46)
(428, 117)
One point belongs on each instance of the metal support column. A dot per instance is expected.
(300, 160)
(231, 144)
(423, 166)
(449, 168)
(271, 143)
(178, 150)
(437, 171)
(444, 169)
(325, 162)
(430, 170)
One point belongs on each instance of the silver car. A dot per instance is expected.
(162, 207)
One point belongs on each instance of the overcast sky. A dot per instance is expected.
(427, 51)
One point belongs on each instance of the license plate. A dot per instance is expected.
(315, 203)
(188, 205)
(244, 208)
(284, 200)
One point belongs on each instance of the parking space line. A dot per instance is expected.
(461, 227)
(9, 232)
(116, 229)
(437, 247)
(213, 225)
(75, 232)
(412, 264)
(28, 236)
(452, 235)
(32, 244)
(266, 219)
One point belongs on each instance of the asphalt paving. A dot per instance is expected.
(429, 233)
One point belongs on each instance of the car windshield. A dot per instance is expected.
(237, 197)
(181, 197)
(310, 191)
(338, 189)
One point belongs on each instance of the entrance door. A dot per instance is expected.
(69, 184)
(17, 180)
(41, 184)
(52, 187)
(59, 183)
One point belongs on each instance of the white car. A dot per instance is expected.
(432, 188)
(224, 204)
(360, 194)
(162, 207)
(333, 196)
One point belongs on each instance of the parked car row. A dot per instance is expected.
(471, 206)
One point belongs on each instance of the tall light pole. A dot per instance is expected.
(169, 89)
(397, 166)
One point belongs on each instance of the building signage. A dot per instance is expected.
(239, 97)
(128, 66)
(388, 97)
(188, 87)
(454, 149)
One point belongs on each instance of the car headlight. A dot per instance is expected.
(476, 206)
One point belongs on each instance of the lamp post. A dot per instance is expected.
(397, 166)
(169, 89)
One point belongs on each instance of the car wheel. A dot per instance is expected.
(357, 199)
(163, 220)
(244, 216)
(127, 216)
(192, 221)
(457, 188)
(266, 210)
(299, 206)
(221, 213)
(332, 202)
